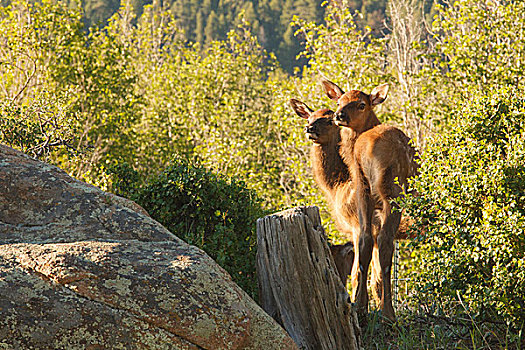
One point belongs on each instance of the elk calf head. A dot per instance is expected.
(321, 128)
(343, 255)
(355, 108)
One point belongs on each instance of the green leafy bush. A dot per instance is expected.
(209, 211)
(41, 128)
(471, 208)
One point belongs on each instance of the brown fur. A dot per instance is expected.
(380, 160)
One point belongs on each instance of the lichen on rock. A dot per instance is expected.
(81, 268)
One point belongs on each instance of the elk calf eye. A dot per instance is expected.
(362, 106)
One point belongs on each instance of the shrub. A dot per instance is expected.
(209, 211)
(471, 208)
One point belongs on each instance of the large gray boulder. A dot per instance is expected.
(82, 268)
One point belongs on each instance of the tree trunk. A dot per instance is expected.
(298, 281)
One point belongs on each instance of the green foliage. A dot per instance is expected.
(342, 52)
(105, 99)
(206, 21)
(139, 93)
(471, 258)
(206, 210)
(40, 128)
(372, 14)
(482, 42)
(226, 107)
(65, 88)
(37, 42)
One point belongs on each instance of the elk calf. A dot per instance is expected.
(329, 170)
(333, 177)
(380, 160)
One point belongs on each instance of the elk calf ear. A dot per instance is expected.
(332, 90)
(301, 108)
(378, 95)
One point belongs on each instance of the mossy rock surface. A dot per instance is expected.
(81, 268)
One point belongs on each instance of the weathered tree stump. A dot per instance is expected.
(298, 281)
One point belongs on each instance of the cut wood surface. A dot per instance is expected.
(298, 281)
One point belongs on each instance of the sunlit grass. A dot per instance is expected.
(415, 329)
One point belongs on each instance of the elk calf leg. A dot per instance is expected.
(360, 274)
(376, 279)
(364, 245)
(385, 242)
